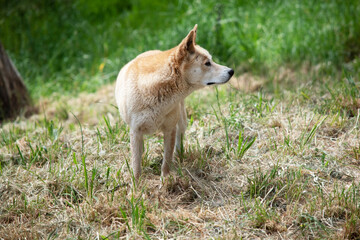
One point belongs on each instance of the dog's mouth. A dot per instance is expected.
(212, 83)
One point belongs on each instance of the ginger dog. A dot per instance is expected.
(150, 92)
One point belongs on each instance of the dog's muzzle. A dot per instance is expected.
(230, 73)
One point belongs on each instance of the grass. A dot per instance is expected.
(66, 47)
(288, 170)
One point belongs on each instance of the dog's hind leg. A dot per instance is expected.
(169, 143)
(136, 145)
(181, 127)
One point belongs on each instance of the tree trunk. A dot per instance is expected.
(13, 93)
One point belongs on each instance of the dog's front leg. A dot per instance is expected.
(136, 145)
(181, 127)
(169, 143)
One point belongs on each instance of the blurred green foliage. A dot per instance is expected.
(68, 46)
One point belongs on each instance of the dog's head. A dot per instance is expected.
(196, 64)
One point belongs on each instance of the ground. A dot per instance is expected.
(280, 164)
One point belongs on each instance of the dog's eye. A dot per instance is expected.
(208, 63)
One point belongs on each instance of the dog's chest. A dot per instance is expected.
(161, 118)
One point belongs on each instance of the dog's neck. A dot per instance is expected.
(174, 89)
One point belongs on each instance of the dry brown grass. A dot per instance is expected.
(298, 180)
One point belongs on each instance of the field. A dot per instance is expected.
(275, 154)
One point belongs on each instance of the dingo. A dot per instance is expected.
(150, 92)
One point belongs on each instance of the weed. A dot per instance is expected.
(135, 219)
(82, 135)
(223, 119)
(262, 184)
(310, 225)
(351, 228)
(356, 152)
(243, 146)
(86, 180)
(306, 137)
(111, 132)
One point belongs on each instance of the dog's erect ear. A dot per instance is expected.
(187, 45)
(189, 41)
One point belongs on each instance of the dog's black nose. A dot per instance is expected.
(231, 72)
